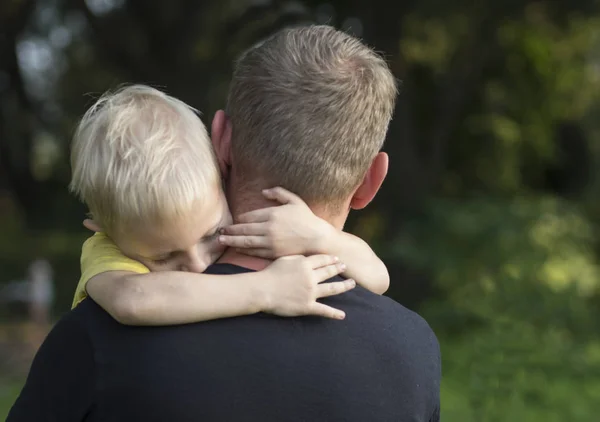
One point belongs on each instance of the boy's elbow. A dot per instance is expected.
(128, 306)
(386, 285)
(385, 282)
(126, 312)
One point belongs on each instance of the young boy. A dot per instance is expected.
(143, 163)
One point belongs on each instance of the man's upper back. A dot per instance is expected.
(380, 364)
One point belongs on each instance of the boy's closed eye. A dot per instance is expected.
(212, 235)
(161, 261)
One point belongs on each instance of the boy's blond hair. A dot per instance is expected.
(140, 156)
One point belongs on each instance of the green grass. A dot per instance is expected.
(9, 390)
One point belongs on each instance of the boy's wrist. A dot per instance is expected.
(260, 293)
(327, 240)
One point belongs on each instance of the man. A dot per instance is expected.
(308, 110)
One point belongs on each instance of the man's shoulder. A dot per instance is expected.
(387, 304)
(402, 314)
(386, 316)
(86, 307)
(380, 306)
(363, 309)
(88, 314)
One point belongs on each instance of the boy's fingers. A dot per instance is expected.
(245, 229)
(256, 216)
(326, 311)
(283, 196)
(244, 241)
(335, 288)
(318, 261)
(328, 271)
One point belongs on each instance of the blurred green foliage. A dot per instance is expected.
(9, 391)
(489, 219)
(516, 309)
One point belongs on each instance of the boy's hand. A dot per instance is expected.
(287, 229)
(294, 283)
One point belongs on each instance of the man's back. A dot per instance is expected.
(381, 364)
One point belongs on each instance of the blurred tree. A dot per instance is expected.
(443, 53)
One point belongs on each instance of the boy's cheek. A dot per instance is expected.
(217, 250)
(167, 266)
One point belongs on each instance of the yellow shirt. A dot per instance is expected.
(98, 255)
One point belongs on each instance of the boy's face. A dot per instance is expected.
(188, 244)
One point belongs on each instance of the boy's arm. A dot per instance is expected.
(132, 295)
(364, 265)
(288, 287)
(292, 228)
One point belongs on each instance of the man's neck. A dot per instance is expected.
(249, 199)
(251, 262)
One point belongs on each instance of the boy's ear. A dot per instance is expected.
(220, 135)
(92, 225)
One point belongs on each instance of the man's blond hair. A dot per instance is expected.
(310, 107)
(140, 156)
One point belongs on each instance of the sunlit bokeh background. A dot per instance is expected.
(489, 220)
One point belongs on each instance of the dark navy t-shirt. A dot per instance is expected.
(382, 363)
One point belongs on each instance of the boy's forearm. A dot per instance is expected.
(170, 298)
(362, 264)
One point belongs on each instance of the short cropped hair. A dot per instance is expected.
(310, 108)
(140, 156)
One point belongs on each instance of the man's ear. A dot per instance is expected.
(371, 183)
(221, 139)
(92, 225)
